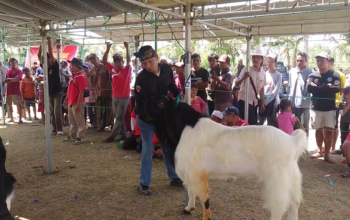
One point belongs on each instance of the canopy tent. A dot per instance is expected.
(27, 22)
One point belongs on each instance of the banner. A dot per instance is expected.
(67, 53)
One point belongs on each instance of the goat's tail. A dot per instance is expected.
(300, 140)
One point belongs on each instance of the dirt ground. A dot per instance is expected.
(99, 183)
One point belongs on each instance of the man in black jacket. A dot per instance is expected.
(154, 79)
(324, 85)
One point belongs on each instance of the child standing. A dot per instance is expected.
(41, 106)
(197, 102)
(28, 92)
(285, 118)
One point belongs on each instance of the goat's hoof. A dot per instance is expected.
(186, 213)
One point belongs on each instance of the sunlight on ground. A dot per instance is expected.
(21, 218)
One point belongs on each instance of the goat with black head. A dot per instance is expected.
(205, 149)
(6, 186)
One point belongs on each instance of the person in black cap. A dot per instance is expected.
(75, 102)
(55, 89)
(153, 80)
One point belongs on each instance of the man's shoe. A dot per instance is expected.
(78, 141)
(59, 133)
(176, 182)
(145, 190)
(108, 140)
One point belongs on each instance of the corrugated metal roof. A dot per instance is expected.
(118, 20)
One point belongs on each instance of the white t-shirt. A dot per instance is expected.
(259, 80)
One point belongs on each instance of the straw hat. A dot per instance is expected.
(258, 52)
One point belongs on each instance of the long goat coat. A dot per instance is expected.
(205, 149)
(6, 186)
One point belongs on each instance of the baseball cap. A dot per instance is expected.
(217, 114)
(86, 65)
(224, 59)
(77, 62)
(231, 110)
(179, 64)
(323, 55)
(145, 53)
(64, 63)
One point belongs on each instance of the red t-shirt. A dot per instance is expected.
(14, 88)
(240, 123)
(77, 83)
(120, 81)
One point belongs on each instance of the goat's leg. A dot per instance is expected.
(295, 194)
(276, 193)
(191, 201)
(203, 194)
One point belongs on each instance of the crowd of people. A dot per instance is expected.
(109, 95)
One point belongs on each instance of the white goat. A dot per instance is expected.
(211, 150)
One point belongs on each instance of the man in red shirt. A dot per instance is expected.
(13, 93)
(121, 76)
(75, 102)
(232, 119)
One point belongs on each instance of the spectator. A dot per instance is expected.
(338, 101)
(239, 67)
(65, 74)
(345, 116)
(13, 93)
(28, 91)
(103, 89)
(180, 77)
(86, 71)
(91, 109)
(285, 118)
(197, 102)
(213, 68)
(298, 92)
(324, 85)
(55, 89)
(153, 80)
(217, 116)
(257, 80)
(41, 102)
(121, 77)
(222, 84)
(75, 102)
(272, 88)
(231, 117)
(202, 76)
(133, 140)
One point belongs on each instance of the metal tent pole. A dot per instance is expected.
(46, 100)
(29, 53)
(187, 65)
(137, 44)
(58, 47)
(1, 82)
(246, 83)
(155, 32)
(3, 45)
(188, 54)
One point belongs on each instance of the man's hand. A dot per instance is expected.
(214, 76)
(313, 84)
(109, 46)
(330, 85)
(65, 104)
(246, 75)
(262, 108)
(77, 108)
(126, 44)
